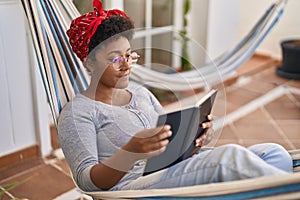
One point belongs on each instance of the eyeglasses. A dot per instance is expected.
(117, 62)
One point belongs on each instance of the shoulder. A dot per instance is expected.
(79, 107)
(78, 103)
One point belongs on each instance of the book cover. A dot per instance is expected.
(185, 126)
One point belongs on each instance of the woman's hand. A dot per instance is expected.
(206, 137)
(149, 142)
(142, 145)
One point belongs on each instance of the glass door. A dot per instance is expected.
(154, 38)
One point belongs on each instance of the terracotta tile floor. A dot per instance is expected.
(278, 120)
(261, 110)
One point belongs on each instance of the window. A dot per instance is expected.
(154, 39)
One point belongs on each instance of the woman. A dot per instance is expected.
(108, 131)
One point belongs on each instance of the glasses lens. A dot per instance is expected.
(134, 57)
(116, 63)
(130, 59)
(117, 59)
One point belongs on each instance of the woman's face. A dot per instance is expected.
(111, 65)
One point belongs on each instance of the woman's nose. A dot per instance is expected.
(125, 65)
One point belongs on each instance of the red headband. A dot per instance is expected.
(84, 27)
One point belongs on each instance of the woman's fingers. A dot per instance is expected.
(160, 140)
(159, 145)
(164, 133)
(151, 139)
(210, 117)
(199, 141)
(205, 137)
(154, 132)
(206, 125)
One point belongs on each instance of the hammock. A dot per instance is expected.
(283, 187)
(222, 67)
(63, 76)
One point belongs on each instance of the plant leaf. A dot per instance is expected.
(12, 186)
(187, 7)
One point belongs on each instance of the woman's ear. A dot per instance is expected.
(89, 64)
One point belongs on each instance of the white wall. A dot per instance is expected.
(229, 21)
(288, 26)
(223, 20)
(19, 124)
(213, 24)
(197, 29)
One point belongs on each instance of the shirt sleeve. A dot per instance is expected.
(77, 137)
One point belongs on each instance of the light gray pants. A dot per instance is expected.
(224, 163)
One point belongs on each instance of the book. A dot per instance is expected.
(186, 127)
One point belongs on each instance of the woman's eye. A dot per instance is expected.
(116, 59)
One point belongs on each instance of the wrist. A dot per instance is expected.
(122, 160)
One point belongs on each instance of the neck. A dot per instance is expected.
(106, 95)
(111, 96)
(100, 93)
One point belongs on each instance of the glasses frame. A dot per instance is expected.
(117, 62)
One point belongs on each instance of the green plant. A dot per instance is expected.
(185, 64)
(5, 189)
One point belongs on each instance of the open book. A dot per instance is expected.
(186, 127)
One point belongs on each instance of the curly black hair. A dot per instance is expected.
(112, 28)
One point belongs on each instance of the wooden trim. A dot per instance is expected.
(54, 139)
(21, 155)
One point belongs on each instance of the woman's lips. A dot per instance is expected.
(125, 75)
